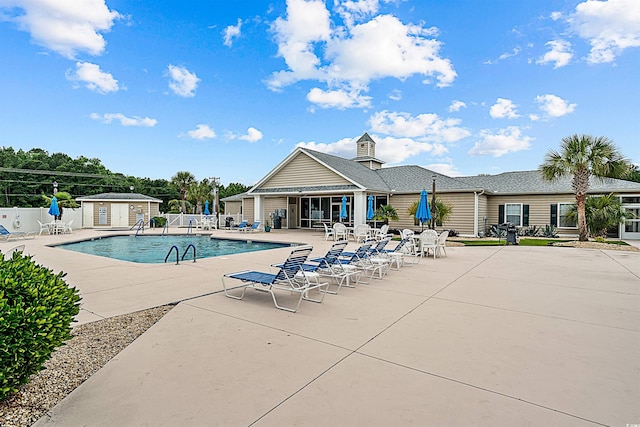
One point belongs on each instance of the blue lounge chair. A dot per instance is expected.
(290, 277)
(254, 227)
(331, 266)
(239, 227)
(360, 261)
(397, 254)
(7, 235)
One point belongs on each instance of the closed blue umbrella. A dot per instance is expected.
(206, 208)
(343, 208)
(370, 212)
(54, 210)
(423, 213)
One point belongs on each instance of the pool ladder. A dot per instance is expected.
(183, 254)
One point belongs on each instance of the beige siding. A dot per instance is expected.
(461, 215)
(462, 212)
(539, 208)
(271, 204)
(247, 210)
(232, 208)
(483, 213)
(303, 171)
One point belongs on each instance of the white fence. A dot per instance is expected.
(183, 220)
(26, 219)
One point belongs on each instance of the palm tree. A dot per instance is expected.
(442, 211)
(199, 191)
(64, 199)
(583, 156)
(181, 181)
(602, 213)
(385, 213)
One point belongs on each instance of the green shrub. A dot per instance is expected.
(36, 311)
(158, 221)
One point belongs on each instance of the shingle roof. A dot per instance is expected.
(119, 196)
(531, 182)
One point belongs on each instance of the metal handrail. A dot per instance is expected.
(140, 221)
(177, 254)
(166, 227)
(189, 226)
(191, 245)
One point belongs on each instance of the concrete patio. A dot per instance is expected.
(492, 336)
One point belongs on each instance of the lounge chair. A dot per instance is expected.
(66, 228)
(331, 266)
(7, 235)
(359, 260)
(397, 254)
(290, 277)
(255, 227)
(239, 227)
(8, 254)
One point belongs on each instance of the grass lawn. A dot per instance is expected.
(527, 242)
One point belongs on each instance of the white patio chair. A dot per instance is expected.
(66, 228)
(442, 243)
(328, 232)
(361, 232)
(428, 242)
(381, 233)
(340, 231)
(44, 228)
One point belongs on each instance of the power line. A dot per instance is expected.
(59, 173)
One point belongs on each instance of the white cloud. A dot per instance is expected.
(444, 168)
(232, 32)
(124, 120)
(457, 106)
(508, 140)
(609, 26)
(395, 95)
(183, 82)
(354, 55)
(356, 10)
(202, 131)
(424, 126)
(554, 106)
(555, 15)
(252, 135)
(503, 108)
(66, 27)
(560, 53)
(340, 99)
(389, 149)
(93, 78)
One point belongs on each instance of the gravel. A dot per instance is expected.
(91, 347)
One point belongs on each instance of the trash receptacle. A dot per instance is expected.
(512, 235)
(277, 222)
(228, 222)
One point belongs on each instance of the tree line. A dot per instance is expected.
(28, 179)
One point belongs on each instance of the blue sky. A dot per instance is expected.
(229, 89)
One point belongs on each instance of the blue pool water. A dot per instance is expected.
(154, 249)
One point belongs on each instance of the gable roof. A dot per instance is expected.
(111, 197)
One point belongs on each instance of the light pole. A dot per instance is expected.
(433, 203)
(131, 188)
(55, 187)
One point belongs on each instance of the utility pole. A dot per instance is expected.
(216, 202)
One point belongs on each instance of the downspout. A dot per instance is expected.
(476, 209)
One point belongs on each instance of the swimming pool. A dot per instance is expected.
(154, 249)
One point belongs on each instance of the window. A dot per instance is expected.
(565, 219)
(514, 214)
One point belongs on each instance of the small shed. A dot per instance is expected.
(117, 210)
